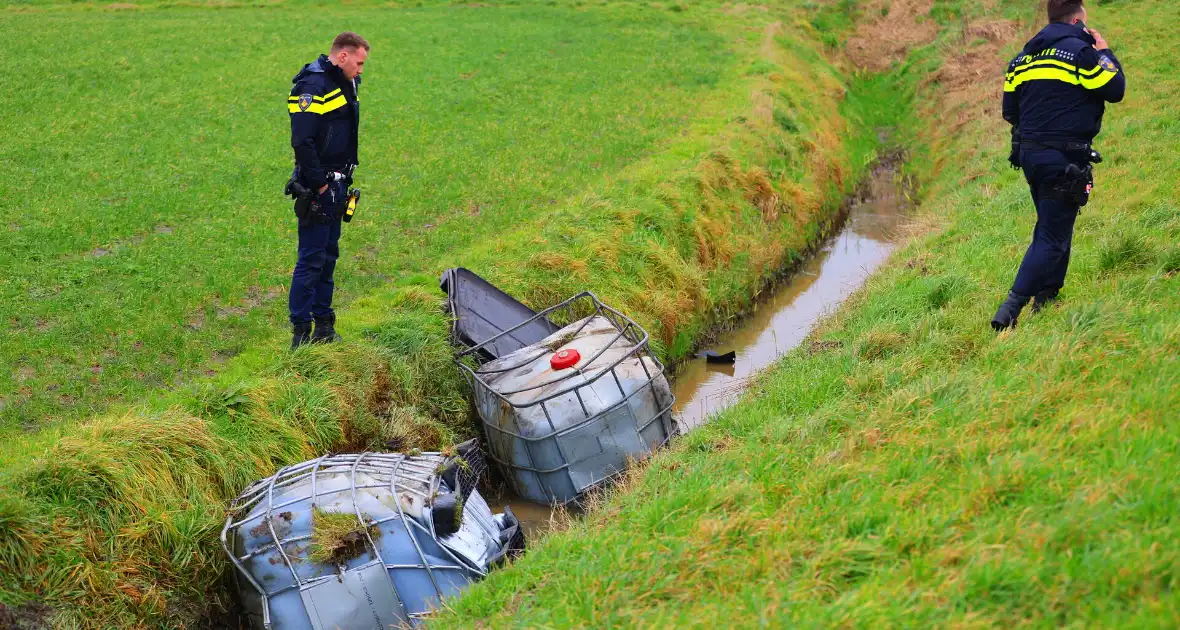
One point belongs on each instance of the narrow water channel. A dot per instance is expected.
(781, 320)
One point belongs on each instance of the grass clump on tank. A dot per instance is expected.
(337, 537)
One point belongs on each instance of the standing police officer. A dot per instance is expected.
(325, 116)
(1055, 93)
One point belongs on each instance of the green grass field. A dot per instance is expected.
(147, 238)
(672, 159)
(908, 467)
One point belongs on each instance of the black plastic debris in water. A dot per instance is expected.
(712, 357)
(483, 312)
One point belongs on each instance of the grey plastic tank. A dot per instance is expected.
(369, 540)
(566, 413)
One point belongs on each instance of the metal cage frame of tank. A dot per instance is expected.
(421, 468)
(627, 328)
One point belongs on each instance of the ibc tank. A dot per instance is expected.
(558, 431)
(369, 540)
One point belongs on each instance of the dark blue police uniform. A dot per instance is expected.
(325, 118)
(1055, 93)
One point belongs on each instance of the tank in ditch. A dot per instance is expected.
(368, 540)
(570, 410)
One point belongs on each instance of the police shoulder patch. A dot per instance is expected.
(1107, 64)
(304, 102)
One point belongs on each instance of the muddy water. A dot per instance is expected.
(535, 518)
(784, 318)
(779, 322)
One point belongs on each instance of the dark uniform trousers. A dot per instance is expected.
(1047, 258)
(312, 281)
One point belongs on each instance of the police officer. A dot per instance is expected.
(325, 116)
(1055, 93)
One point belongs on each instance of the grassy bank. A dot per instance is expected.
(561, 158)
(148, 241)
(908, 467)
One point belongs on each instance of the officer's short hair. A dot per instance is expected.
(348, 39)
(1061, 10)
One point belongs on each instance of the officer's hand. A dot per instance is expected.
(322, 189)
(327, 197)
(1099, 40)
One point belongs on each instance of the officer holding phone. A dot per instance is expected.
(1055, 93)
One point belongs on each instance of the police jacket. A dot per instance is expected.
(325, 117)
(1057, 88)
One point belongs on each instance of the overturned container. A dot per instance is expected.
(488, 319)
(368, 540)
(567, 412)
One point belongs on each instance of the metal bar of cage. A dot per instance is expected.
(398, 504)
(645, 425)
(567, 304)
(526, 361)
(579, 378)
(473, 349)
(598, 484)
(638, 344)
(589, 381)
(270, 525)
(556, 432)
(416, 475)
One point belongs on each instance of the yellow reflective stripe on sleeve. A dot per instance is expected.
(331, 105)
(1098, 81)
(326, 97)
(319, 108)
(316, 99)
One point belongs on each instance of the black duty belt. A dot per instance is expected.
(1060, 145)
(1066, 146)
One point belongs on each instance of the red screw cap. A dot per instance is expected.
(565, 359)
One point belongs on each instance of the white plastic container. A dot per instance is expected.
(564, 414)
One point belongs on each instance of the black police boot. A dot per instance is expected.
(1044, 300)
(1010, 310)
(325, 330)
(300, 334)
